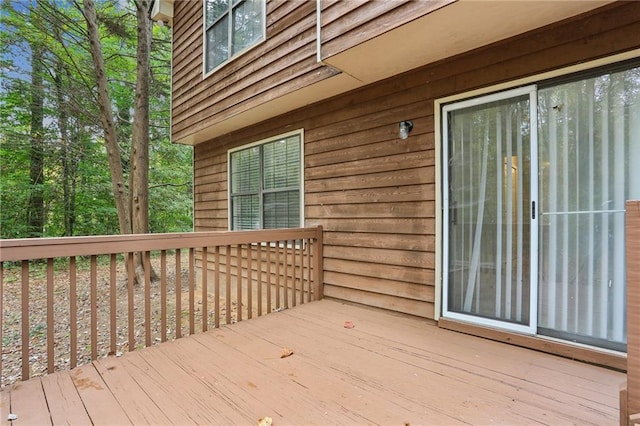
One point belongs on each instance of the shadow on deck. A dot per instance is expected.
(388, 369)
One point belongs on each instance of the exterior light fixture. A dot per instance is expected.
(405, 128)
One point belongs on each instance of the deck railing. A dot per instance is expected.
(68, 301)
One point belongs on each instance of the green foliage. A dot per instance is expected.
(170, 205)
(77, 185)
(14, 186)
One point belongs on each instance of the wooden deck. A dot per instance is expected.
(388, 369)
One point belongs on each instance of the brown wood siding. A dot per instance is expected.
(345, 24)
(373, 193)
(283, 63)
(633, 306)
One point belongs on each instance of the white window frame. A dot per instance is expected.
(229, 13)
(300, 134)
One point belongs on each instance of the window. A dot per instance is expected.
(265, 184)
(231, 26)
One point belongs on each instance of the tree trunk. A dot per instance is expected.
(139, 189)
(108, 123)
(35, 221)
(66, 157)
(133, 207)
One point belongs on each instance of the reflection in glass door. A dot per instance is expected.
(488, 210)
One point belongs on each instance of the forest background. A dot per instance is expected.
(56, 166)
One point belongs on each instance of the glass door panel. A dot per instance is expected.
(488, 210)
(589, 152)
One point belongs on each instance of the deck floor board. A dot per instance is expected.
(500, 373)
(66, 406)
(388, 369)
(29, 403)
(140, 408)
(478, 392)
(101, 404)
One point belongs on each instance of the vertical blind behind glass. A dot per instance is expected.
(489, 210)
(588, 155)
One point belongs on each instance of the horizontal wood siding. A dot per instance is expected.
(345, 24)
(373, 193)
(283, 63)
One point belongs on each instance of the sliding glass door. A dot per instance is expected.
(489, 217)
(535, 184)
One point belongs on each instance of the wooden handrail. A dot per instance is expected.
(241, 270)
(42, 248)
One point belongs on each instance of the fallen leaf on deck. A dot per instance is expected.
(349, 324)
(265, 421)
(286, 352)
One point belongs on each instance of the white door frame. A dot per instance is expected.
(530, 328)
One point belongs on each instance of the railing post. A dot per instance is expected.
(318, 256)
(633, 309)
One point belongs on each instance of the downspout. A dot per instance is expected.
(319, 42)
(318, 31)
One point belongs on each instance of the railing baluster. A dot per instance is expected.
(178, 295)
(294, 276)
(228, 284)
(216, 284)
(277, 247)
(205, 283)
(291, 263)
(130, 284)
(301, 260)
(163, 296)
(259, 277)
(268, 267)
(192, 292)
(94, 308)
(147, 298)
(25, 319)
(73, 313)
(286, 274)
(113, 325)
(308, 255)
(303, 270)
(50, 323)
(249, 281)
(239, 282)
(318, 254)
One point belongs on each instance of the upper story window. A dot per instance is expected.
(231, 26)
(265, 184)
